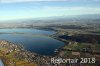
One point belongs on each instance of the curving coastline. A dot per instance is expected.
(15, 55)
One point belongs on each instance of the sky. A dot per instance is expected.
(26, 9)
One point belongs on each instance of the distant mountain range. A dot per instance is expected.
(95, 17)
(76, 19)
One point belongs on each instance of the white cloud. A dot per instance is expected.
(48, 11)
(72, 10)
(14, 1)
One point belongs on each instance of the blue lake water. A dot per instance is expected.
(28, 31)
(35, 43)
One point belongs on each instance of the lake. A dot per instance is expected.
(27, 31)
(31, 41)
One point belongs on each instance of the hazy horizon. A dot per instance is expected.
(27, 9)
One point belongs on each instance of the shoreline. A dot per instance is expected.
(21, 52)
(37, 58)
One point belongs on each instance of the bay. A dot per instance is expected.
(41, 44)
